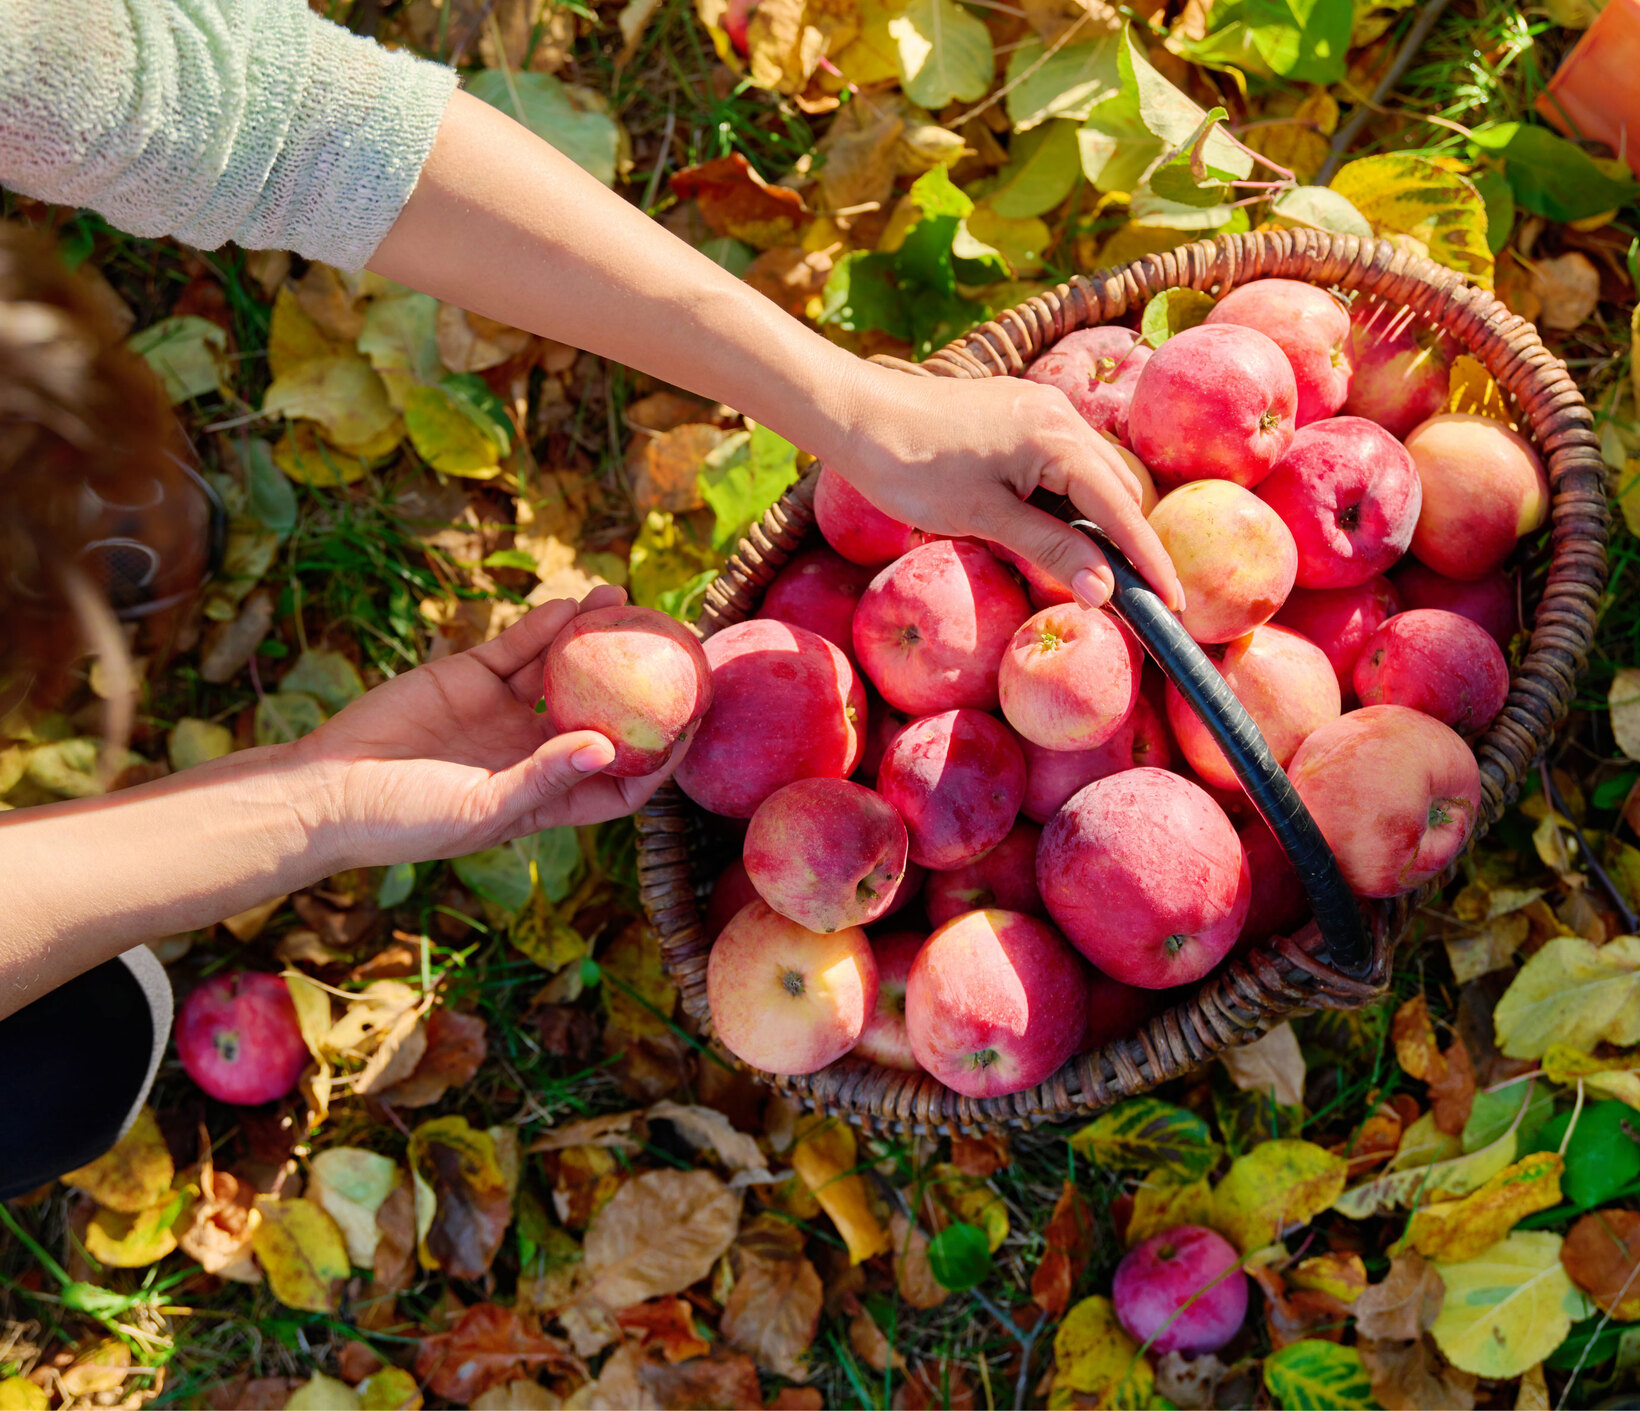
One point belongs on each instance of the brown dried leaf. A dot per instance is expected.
(1292, 1316)
(980, 1157)
(455, 1047)
(1405, 1304)
(469, 342)
(668, 1325)
(1567, 289)
(216, 1229)
(395, 1259)
(1450, 1076)
(1410, 1376)
(585, 1179)
(461, 1168)
(487, 1346)
(660, 1233)
(790, 275)
(773, 1312)
(912, 1272)
(1068, 1236)
(704, 1127)
(860, 156)
(1623, 698)
(735, 200)
(723, 1379)
(613, 1129)
(396, 1056)
(1189, 1382)
(1602, 1257)
(870, 1342)
(663, 468)
(1271, 1064)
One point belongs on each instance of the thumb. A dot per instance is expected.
(546, 776)
(1061, 552)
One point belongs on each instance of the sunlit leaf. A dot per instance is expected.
(1067, 83)
(1405, 194)
(1551, 176)
(1314, 1375)
(348, 399)
(448, 436)
(1094, 1357)
(1145, 1133)
(660, 1233)
(567, 116)
(1574, 993)
(134, 1174)
(1042, 168)
(303, 1251)
(1275, 1187)
(945, 53)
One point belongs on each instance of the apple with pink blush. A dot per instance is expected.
(1436, 662)
(239, 1039)
(1235, 559)
(1309, 325)
(1339, 621)
(1182, 1290)
(884, 1039)
(732, 890)
(1214, 402)
(1146, 877)
(1097, 369)
(1069, 677)
(1116, 1010)
(931, 629)
(957, 779)
(1284, 681)
(1348, 492)
(1403, 367)
(818, 589)
(1483, 488)
(1395, 793)
(996, 1003)
(1278, 904)
(1052, 776)
(786, 705)
(1490, 601)
(1003, 878)
(855, 527)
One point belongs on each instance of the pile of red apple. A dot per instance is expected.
(928, 738)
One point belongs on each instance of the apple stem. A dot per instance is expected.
(985, 1058)
(1437, 815)
(1175, 943)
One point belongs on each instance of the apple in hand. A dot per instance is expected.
(1339, 621)
(1236, 560)
(1395, 793)
(1069, 677)
(1285, 683)
(786, 705)
(1490, 601)
(1402, 367)
(1182, 1290)
(1097, 369)
(884, 1039)
(826, 853)
(1484, 487)
(786, 999)
(636, 676)
(818, 589)
(1146, 877)
(1215, 402)
(1310, 326)
(1436, 662)
(1348, 492)
(931, 629)
(957, 779)
(855, 527)
(1004, 878)
(995, 1003)
(238, 1038)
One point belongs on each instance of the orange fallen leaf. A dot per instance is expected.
(667, 1324)
(1602, 1257)
(488, 1346)
(1068, 1236)
(735, 200)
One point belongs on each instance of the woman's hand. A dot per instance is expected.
(452, 757)
(959, 457)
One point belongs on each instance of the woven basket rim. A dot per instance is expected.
(1242, 1000)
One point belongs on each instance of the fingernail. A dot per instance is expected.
(1092, 587)
(590, 758)
(1181, 602)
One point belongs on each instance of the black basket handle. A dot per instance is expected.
(1346, 944)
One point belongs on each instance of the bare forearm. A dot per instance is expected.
(88, 879)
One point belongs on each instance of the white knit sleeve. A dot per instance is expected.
(214, 120)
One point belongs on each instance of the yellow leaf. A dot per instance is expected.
(873, 56)
(971, 1200)
(322, 1393)
(447, 438)
(351, 1184)
(1624, 699)
(133, 1240)
(391, 1389)
(194, 742)
(1344, 1276)
(825, 1158)
(294, 338)
(1460, 1229)
(1508, 1308)
(1020, 242)
(1575, 993)
(1275, 1187)
(102, 1368)
(134, 1175)
(1402, 194)
(1534, 1391)
(1453, 1175)
(1615, 1077)
(308, 460)
(20, 1394)
(464, 1171)
(1473, 391)
(1162, 1201)
(346, 396)
(1424, 1144)
(302, 1251)
(1095, 1357)
(640, 998)
(945, 53)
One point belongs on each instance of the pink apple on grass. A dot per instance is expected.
(1395, 793)
(995, 1003)
(238, 1038)
(1402, 367)
(1339, 621)
(1235, 559)
(957, 779)
(818, 589)
(1069, 678)
(1484, 488)
(1182, 1290)
(884, 1039)
(855, 527)
(1004, 878)
(1437, 662)
(786, 999)
(1310, 326)
(1491, 601)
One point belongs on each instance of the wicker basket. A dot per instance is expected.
(1313, 969)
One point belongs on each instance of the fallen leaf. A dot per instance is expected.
(192, 742)
(1341, 1276)
(303, 1252)
(1274, 1188)
(787, 39)
(872, 1344)
(1473, 391)
(458, 1173)
(912, 1272)
(189, 353)
(1068, 1236)
(736, 201)
(619, 1386)
(585, 1181)
(945, 53)
(661, 1232)
(1573, 993)
(1270, 1064)
(1145, 1133)
(1568, 289)
(773, 1313)
(1410, 1376)
(825, 1158)
(322, 1393)
(351, 1184)
(103, 1368)
(1455, 1230)
(1509, 1308)
(519, 1394)
(389, 1389)
(980, 1157)
(487, 1347)
(1405, 1304)
(722, 1379)
(1602, 1257)
(1614, 1077)
(1450, 1076)
(1313, 1372)
(454, 1051)
(133, 1239)
(707, 1128)
(134, 1174)
(667, 1324)
(1095, 1357)
(1161, 1201)
(968, 1199)
(397, 1052)
(345, 396)
(1190, 1383)
(664, 468)
(1623, 698)
(1492, 947)
(1533, 1393)
(469, 342)
(1296, 1315)
(20, 1394)
(217, 1228)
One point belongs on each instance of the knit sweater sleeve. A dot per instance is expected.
(255, 121)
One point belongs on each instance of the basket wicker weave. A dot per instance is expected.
(1244, 999)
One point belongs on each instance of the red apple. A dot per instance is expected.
(1395, 793)
(907, 889)
(1339, 621)
(1182, 1290)
(238, 1038)
(1052, 776)
(1484, 487)
(786, 999)
(1278, 904)
(1146, 877)
(1436, 662)
(855, 527)
(1490, 601)
(786, 705)
(1348, 491)
(826, 853)
(882, 725)
(1069, 678)
(732, 890)
(818, 590)
(636, 676)
(932, 627)
(1310, 326)
(995, 1003)
(1044, 589)
(1214, 403)
(885, 1040)
(957, 780)
(1097, 369)
(1236, 560)
(1116, 1011)
(1004, 878)
(1286, 684)
(1402, 367)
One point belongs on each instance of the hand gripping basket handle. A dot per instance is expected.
(1346, 943)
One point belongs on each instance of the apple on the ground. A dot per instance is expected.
(1181, 1291)
(239, 1039)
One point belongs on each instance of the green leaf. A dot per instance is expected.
(1304, 40)
(685, 601)
(945, 54)
(448, 436)
(569, 118)
(286, 715)
(1403, 193)
(474, 396)
(511, 558)
(1185, 176)
(1493, 1113)
(1065, 84)
(189, 354)
(1500, 207)
(1550, 176)
(1042, 168)
(401, 340)
(741, 478)
(556, 853)
(1313, 1375)
(667, 555)
(1602, 1157)
(960, 1256)
(1172, 311)
(1610, 793)
(396, 885)
(500, 875)
(1144, 1133)
(271, 498)
(328, 676)
(1319, 208)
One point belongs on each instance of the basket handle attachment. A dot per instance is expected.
(1346, 944)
